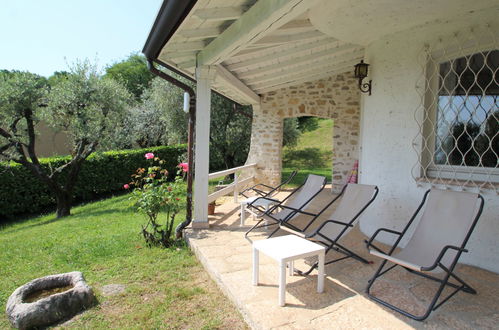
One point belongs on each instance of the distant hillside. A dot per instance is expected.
(312, 154)
(314, 149)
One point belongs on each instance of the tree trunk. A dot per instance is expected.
(64, 200)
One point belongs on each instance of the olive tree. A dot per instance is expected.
(86, 106)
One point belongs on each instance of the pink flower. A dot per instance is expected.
(184, 166)
(149, 155)
(126, 186)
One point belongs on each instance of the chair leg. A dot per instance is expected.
(257, 225)
(433, 304)
(348, 254)
(251, 229)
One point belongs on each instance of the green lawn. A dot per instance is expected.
(302, 175)
(164, 288)
(312, 154)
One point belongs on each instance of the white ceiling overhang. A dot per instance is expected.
(256, 46)
(261, 46)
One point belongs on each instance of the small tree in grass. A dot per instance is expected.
(85, 106)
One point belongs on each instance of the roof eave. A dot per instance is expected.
(170, 15)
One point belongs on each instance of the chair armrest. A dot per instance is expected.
(298, 210)
(441, 255)
(369, 243)
(266, 186)
(255, 189)
(334, 221)
(265, 198)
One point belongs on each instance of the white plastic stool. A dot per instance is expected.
(263, 202)
(284, 250)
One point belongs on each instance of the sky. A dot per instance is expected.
(46, 36)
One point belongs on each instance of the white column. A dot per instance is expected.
(204, 76)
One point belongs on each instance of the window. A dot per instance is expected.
(460, 127)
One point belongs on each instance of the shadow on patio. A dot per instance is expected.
(227, 256)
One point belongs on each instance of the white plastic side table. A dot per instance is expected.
(286, 249)
(265, 203)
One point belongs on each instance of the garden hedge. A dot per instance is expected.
(101, 174)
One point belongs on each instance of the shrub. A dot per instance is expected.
(101, 173)
(153, 194)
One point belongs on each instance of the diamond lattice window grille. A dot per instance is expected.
(458, 117)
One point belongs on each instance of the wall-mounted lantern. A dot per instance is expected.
(361, 70)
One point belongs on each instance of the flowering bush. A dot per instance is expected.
(152, 194)
(184, 167)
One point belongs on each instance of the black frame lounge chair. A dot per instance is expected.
(435, 246)
(353, 201)
(290, 206)
(263, 190)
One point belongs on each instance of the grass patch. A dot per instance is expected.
(312, 154)
(165, 288)
(302, 175)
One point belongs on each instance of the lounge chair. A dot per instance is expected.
(287, 208)
(260, 190)
(353, 201)
(263, 190)
(438, 241)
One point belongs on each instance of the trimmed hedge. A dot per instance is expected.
(101, 173)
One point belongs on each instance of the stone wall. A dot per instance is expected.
(335, 97)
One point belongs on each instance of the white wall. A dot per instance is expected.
(388, 129)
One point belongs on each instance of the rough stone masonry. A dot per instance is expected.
(336, 97)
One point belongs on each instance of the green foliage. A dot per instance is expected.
(86, 106)
(154, 194)
(57, 77)
(21, 95)
(102, 173)
(229, 135)
(159, 118)
(290, 133)
(302, 174)
(313, 149)
(133, 73)
(304, 158)
(308, 124)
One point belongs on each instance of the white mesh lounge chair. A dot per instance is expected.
(260, 190)
(353, 201)
(289, 207)
(438, 241)
(263, 190)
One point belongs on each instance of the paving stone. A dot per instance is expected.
(344, 304)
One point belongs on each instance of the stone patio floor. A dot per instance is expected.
(227, 256)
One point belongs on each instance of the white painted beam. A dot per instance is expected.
(234, 83)
(303, 74)
(341, 52)
(220, 14)
(201, 33)
(260, 20)
(324, 74)
(279, 39)
(185, 46)
(176, 55)
(204, 77)
(297, 24)
(258, 59)
(187, 64)
(312, 65)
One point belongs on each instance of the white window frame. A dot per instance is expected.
(451, 172)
